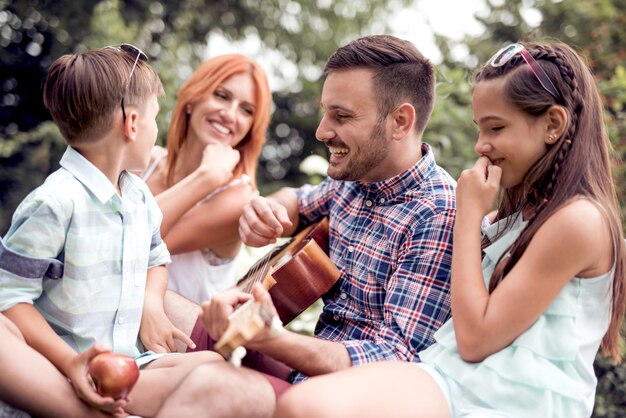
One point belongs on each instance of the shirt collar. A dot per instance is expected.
(496, 248)
(410, 179)
(515, 220)
(88, 174)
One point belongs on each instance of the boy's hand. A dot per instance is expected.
(157, 333)
(77, 373)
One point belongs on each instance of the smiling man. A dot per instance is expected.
(390, 208)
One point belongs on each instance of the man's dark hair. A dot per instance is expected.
(400, 73)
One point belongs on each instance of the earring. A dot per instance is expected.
(551, 139)
(188, 109)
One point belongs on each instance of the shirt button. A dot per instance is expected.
(343, 296)
(368, 203)
(335, 317)
(350, 249)
(120, 320)
(382, 200)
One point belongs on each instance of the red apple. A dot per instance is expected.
(114, 374)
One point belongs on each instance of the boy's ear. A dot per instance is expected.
(402, 119)
(130, 126)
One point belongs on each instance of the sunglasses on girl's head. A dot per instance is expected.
(505, 54)
(131, 50)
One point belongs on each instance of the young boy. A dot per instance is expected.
(29, 382)
(73, 263)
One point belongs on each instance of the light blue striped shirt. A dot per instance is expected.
(106, 243)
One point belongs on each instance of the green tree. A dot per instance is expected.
(175, 35)
(450, 131)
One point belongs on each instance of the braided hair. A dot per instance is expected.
(576, 165)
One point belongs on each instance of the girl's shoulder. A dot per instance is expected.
(582, 229)
(582, 215)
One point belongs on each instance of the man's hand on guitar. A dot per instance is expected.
(262, 221)
(234, 319)
(215, 313)
(262, 296)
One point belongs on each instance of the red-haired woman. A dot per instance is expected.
(207, 174)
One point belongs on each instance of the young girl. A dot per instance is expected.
(207, 174)
(527, 324)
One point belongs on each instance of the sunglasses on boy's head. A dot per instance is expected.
(133, 51)
(505, 54)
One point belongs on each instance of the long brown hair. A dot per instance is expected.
(578, 164)
(202, 83)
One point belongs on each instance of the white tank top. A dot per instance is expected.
(199, 274)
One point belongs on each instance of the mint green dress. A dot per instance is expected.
(548, 370)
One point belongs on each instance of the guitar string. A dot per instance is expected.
(259, 269)
(257, 273)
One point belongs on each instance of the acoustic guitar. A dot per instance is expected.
(296, 274)
(300, 268)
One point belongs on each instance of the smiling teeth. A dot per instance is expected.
(220, 128)
(337, 150)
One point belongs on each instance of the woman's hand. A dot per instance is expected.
(477, 188)
(84, 387)
(218, 163)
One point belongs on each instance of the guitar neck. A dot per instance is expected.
(296, 274)
(262, 268)
(244, 323)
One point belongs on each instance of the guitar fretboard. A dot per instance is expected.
(260, 269)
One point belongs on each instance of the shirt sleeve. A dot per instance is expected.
(314, 202)
(159, 254)
(31, 248)
(417, 299)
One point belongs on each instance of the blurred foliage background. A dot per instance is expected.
(176, 33)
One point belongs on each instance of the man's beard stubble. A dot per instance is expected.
(369, 156)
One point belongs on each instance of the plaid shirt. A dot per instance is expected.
(106, 242)
(392, 242)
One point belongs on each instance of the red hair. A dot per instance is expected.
(202, 83)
